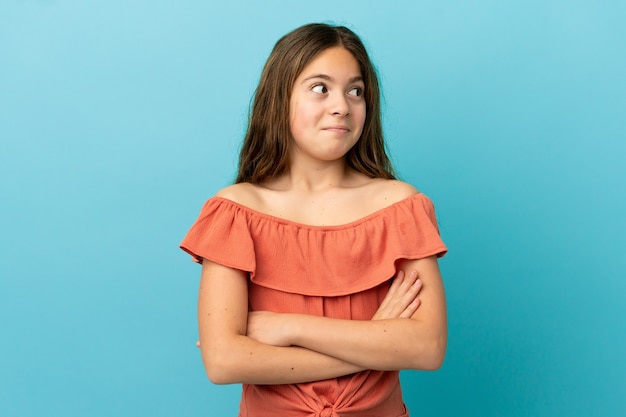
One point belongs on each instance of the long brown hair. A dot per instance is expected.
(265, 151)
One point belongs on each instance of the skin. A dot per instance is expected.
(326, 115)
(320, 90)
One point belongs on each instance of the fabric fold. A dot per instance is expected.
(315, 260)
(340, 271)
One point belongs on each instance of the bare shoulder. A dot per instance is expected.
(243, 193)
(378, 193)
(391, 191)
(399, 189)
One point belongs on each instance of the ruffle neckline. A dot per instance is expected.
(315, 260)
(280, 220)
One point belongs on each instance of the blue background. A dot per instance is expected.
(119, 118)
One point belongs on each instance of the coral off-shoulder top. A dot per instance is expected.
(334, 271)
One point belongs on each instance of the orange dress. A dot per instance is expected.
(333, 271)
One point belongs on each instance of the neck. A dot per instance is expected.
(315, 177)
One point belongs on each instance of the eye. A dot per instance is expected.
(356, 91)
(319, 88)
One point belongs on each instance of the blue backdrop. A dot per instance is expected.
(119, 118)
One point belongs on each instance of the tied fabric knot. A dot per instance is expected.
(327, 411)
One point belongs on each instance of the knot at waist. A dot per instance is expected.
(327, 411)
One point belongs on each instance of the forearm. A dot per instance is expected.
(244, 360)
(392, 344)
(231, 356)
(415, 341)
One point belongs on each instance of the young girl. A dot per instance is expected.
(313, 261)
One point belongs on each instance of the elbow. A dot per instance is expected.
(432, 355)
(217, 376)
(218, 369)
(437, 354)
(434, 359)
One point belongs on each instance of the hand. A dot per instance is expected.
(401, 300)
(269, 328)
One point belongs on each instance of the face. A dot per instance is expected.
(327, 106)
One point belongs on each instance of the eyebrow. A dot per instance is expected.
(329, 78)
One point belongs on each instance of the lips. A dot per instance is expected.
(337, 129)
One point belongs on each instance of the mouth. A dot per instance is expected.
(337, 129)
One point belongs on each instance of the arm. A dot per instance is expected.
(230, 356)
(418, 342)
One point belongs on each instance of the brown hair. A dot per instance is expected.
(265, 151)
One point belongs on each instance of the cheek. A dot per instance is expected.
(302, 117)
(360, 117)
(295, 123)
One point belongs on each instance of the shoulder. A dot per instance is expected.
(244, 194)
(389, 188)
(233, 192)
(374, 194)
(398, 189)
(388, 192)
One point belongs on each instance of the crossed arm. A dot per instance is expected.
(406, 332)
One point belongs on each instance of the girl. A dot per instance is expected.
(297, 300)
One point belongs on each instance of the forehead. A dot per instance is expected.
(336, 60)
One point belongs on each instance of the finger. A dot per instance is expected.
(400, 285)
(412, 288)
(411, 294)
(411, 309)
(402, 291)
(197, 343)
(406, 295)
(395, 285)
(407, 289)
(408, 281)
(393, 289)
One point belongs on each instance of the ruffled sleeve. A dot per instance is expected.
(340, 260)
(221, 234)
(310, 260)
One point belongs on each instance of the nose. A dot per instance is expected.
(339, 105)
